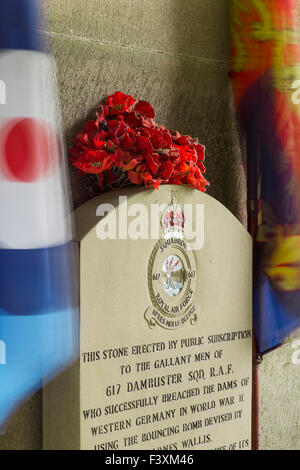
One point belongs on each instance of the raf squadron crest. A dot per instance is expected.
(171, 274)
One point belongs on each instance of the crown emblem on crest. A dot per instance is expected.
(173, 221)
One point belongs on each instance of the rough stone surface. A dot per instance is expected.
(24, 430)
(175, 54)
(279, 399)
(193, 28)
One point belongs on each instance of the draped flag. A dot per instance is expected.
(265, 71)
(38, 288)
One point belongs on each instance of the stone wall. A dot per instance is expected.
(173, 53)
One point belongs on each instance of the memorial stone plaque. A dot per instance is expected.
(166, 327)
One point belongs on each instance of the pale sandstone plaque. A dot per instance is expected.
(165, 336)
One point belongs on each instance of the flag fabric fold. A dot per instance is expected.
(19, 22)
(38, 259)
(265, 72)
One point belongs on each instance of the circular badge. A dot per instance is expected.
(171, 283)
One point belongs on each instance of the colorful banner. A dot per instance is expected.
(265, 72)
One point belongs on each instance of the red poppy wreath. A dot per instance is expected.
(124, 145)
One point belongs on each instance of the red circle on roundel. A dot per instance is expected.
(30, 150)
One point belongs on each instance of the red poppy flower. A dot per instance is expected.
(119, 102)
(145, 108)
(144, 145)
(165, 170)
(149, 181)
(126, 161)
(152, 162)
(135, 178)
